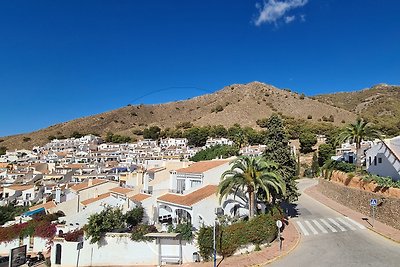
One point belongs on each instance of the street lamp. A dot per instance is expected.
(218, 211)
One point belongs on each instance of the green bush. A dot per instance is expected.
(217, 151)
(229, 238)
(140, 230)
(205, 242)
(185, 229)
(383, 182)
(134, 216)
(99, 224)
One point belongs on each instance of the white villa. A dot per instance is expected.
(383, 159)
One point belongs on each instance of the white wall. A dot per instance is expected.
(118, 250)
(39, 244)
(213, 176)
(390, 165)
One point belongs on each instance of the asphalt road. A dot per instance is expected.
(330, 239)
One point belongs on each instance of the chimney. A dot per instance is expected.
(90, 182)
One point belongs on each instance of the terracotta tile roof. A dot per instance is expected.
(3, 165)
(74, 166)
(121, 190)
(46, 206)
(92, 200)
(85, 185)
(202, 166)
(20, 187)
(190, 199)
(139, 197)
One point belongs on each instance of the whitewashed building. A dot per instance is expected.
(383, 159)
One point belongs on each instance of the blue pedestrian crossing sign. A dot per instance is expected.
(373, 202)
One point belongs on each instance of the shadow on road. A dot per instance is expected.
(290, 209)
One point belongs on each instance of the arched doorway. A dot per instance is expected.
(58, 254)
(183, 216)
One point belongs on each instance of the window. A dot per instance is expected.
(370, 161)
(379, 160)
(375, 160)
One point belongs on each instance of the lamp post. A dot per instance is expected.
(214, 243)
(218, 211)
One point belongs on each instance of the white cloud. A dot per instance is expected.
(289, 19)
(272, 10)
(302, 18)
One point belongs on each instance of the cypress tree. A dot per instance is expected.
(279, 151)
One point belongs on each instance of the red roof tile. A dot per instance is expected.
(202, 166)
(191, 198)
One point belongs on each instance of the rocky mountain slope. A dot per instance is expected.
(379, 104)
(238, 103)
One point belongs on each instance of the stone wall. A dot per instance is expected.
(387, 211)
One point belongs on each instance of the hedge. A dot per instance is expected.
(260, 229)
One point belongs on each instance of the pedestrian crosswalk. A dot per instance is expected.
(327, 225)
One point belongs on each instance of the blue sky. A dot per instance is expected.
(61, 60)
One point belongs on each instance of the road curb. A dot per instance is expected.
(283, 254)
(369, 228)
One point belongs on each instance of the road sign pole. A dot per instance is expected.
(279, 226)
(373, 203)
(373, 216)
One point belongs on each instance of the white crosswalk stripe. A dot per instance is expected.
(303, 230)
(320, 226)
(359, 225)
(328, 225)
(346, 223)
(337, 225)
(315, 232)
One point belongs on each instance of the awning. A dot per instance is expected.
(33, 212)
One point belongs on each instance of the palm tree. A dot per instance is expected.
(357, 132)
(249, 174)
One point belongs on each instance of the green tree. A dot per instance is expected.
(197, 136)
(3, 150)
(248, 174)
(315, 165)
(217, 151)
(307, 141)
(134, 216)
(8, 212)
(152, 132)
(279, 151)
(76, 134)
(218, 131)
(356, 133)
(325, 151)
(109, 220)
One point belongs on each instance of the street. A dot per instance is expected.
(331, 239)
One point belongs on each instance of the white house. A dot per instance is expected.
(383, 159)
(197, 207)
(218, 141)
(173, 142)
(198, 174)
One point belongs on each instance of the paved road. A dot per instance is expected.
(330, 239)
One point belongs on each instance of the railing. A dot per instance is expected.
(175, 191)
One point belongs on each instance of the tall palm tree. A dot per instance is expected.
(249, 174)
(356, 133)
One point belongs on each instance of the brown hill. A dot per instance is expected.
(379, 104)
(238, 103)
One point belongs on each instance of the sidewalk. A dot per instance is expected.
(259, 258)
(380, 228)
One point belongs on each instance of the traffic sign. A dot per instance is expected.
(279, 223)
(373, 202)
